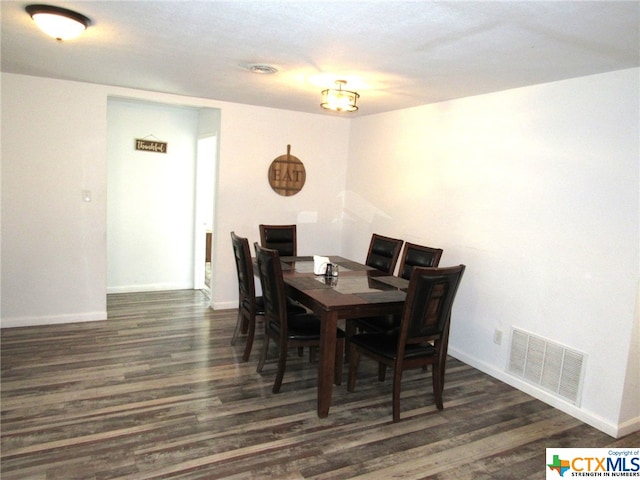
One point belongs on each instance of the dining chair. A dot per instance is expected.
(286, 329)
(383, 253)
(282, 238)
(423, 336)
(413, 255)
(249, 305)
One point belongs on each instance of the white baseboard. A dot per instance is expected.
(52, 319)
(628, 427)
(151, 287)
(224, 305)
(589, 418)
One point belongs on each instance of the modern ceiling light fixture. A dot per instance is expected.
(60, 23)
(339, 100)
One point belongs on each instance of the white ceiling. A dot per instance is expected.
(396, 54)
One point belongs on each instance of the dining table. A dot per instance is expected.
(358, 291)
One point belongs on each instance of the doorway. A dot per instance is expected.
(205, 185)
(154, 198)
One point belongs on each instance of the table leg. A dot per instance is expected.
(326, 362)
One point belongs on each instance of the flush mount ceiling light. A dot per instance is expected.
(339, 100)
(60, 23)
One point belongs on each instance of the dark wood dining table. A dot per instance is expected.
(359, 291)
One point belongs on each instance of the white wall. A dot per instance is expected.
(53, 244)
(536, 191)
(150, 197)
(54, 145)
(251, 138)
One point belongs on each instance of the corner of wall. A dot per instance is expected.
(589, 418)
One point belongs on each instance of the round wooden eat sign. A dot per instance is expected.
(287, 174)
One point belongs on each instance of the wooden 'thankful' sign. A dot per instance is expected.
(151, 145)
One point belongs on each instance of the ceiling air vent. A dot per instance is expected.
(553, 367)
(262, 69)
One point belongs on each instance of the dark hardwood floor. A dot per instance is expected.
(156, 392)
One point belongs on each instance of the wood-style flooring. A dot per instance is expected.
(157, 392)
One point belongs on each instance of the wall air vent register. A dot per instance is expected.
(549, 365)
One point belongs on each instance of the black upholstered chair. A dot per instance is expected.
(422, 338)
(383, 253)
(249, 306)
(287, 330)
(413, 256)
(283, 238)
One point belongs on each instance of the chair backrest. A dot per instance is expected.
(273, 289)
(282, 238)
(417, 256)
(427, 310)
(244, 267)
(383, 253)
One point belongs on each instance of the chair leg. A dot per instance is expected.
(438, 387)
(397, 382)
(282, 363)
(251, 330)
(382, 371)
(265, 349)
(349, 330)
(236, 332)
(339, 362)
(442, 366)
(354, 360)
